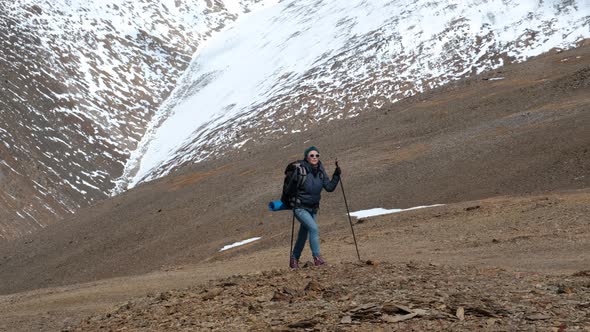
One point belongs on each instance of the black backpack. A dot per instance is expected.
(292, 185)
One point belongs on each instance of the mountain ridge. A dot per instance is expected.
(98, 97)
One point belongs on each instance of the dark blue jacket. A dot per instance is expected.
(308, 195)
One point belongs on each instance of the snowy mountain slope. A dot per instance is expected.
(300, 62)
(79, 82)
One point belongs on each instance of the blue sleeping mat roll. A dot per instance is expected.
(277, 206)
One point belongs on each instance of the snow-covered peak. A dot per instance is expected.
(282, 67)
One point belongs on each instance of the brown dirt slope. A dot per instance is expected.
(476, 138)
(509, 262)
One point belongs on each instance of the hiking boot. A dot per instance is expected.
(294, 263)
(318, 260)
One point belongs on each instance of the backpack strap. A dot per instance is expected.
(302, 175)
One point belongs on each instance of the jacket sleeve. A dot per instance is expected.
(330, 185)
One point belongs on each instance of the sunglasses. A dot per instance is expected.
(313, 155)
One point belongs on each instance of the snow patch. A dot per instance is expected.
(241, 243)
(380, 211)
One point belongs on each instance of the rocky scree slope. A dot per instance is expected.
(79, 81)
(363, 297)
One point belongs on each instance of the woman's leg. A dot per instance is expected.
(308, 225)
(314, 235)
(301, 237)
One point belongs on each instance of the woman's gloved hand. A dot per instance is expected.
(337, 171)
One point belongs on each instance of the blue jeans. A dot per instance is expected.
(308, 219)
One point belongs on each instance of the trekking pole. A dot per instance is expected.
(292, 231)
(348, 212)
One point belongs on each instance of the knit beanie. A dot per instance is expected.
(308, 150)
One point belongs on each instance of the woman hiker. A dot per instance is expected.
(307, 203)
